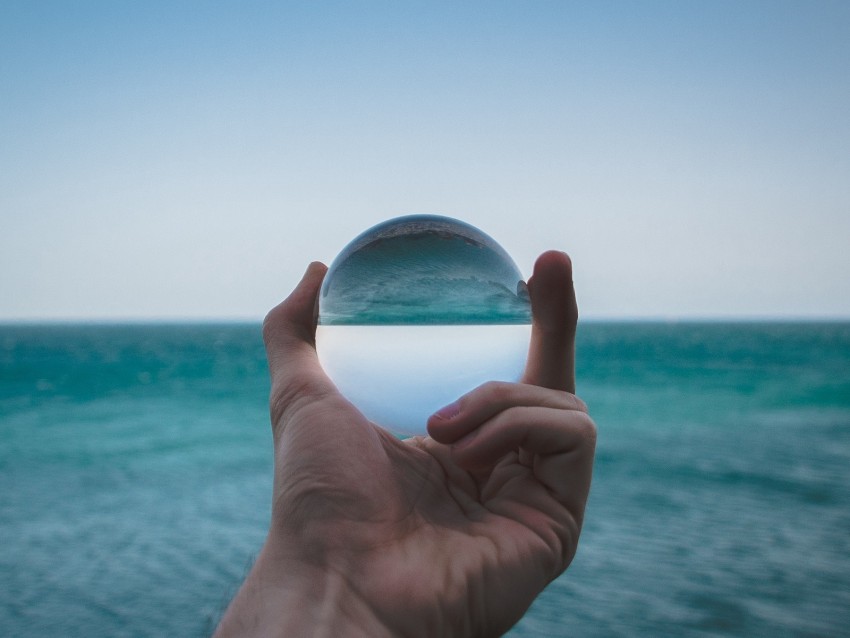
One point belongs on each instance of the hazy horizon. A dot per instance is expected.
(189, 321)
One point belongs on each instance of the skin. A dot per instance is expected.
(453, 534)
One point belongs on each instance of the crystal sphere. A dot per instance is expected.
(415, 312)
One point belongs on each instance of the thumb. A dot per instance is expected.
(289, 332)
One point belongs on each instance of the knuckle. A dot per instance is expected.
(270, 322)
(495, 391)
(578, 404)
(507, 418)
(587, 429)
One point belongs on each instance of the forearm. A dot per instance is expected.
(287, 598)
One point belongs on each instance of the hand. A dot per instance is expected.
(449, 535)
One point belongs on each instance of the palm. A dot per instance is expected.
(420, 533)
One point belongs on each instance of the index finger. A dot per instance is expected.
(551, 353)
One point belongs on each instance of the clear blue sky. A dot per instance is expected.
(188, 159)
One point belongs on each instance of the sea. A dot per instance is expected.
(135, 478)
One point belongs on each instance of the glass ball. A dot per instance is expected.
(415, 312)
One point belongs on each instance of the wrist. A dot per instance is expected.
(282, 596)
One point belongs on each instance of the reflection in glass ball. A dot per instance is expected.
(417, 311)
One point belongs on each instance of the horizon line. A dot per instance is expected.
(236, 320)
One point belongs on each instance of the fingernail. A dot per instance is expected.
(448, 412)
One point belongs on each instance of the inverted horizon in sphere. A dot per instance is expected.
(423, 270)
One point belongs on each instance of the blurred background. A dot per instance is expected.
(167, 171)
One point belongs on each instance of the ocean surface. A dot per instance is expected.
(135, 474)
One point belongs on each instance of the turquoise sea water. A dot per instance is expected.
(135, 479)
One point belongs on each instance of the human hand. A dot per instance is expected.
(454, 534)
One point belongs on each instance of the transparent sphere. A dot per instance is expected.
(417, 311)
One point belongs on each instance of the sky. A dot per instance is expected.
(187, 160)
